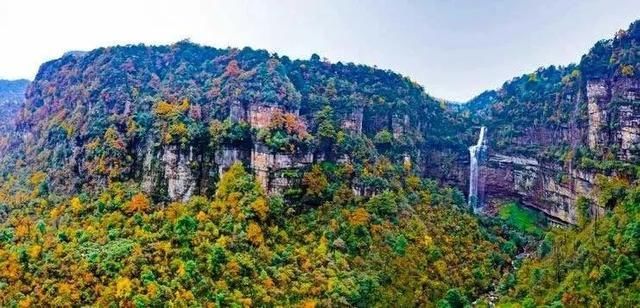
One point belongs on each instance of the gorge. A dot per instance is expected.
(545, 162)
(185, 174)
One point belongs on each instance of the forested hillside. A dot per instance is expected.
(115, 114)
(414, 244)
(125, 184)
(595, 264)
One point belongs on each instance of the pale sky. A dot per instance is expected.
(454, 48)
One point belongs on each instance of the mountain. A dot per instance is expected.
(190, 175)
(174, 117)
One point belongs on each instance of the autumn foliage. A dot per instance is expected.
(239, 247)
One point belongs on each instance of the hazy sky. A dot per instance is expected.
(454, 48)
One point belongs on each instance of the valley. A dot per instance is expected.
(189, 175)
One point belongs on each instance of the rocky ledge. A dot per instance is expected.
(545, 186)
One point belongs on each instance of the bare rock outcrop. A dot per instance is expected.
(614, 116)
(274, 170)
(181, 182)
(545, 186)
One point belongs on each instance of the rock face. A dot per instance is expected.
(229, 155)
(271, 168)
(180, 173)
(598, 97)
(170, 171)
(399, 125)
(614, 116)
(181, 181)
(544, 186)
(353, 122)
(611, 129)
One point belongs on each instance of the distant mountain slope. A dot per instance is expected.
(11, 98)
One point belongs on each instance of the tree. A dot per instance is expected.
(139, 203)
(254, 234)
(326, 130)
(583, 206)
(400, 245)
(383, 138)
(610, 190)
(315, 183)
(359, 217)
(123, 287)
(185, 227)
(233, 69)
(453, 299)
(627, 70)
(233, 180)
(260, 208)
(384, 204)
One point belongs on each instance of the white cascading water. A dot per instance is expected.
(474, 152)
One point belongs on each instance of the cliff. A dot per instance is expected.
(173, 118)
(552, 131)
(614, 117)
(544, 186)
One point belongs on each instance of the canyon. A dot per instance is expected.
(550, 133)
(553, 187)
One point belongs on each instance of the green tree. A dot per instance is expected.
(454, 298)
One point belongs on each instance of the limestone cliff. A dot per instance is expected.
(614, 116)
(541, 185)
(550, 183)
(552, 131)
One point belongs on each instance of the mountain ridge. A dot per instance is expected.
(352, 89)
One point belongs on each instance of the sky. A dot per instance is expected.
(454, 48)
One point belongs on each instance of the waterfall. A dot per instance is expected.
(474, 152)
